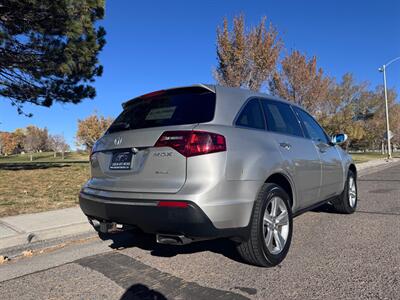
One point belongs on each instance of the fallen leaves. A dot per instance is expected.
(3, 259)
(27, 253)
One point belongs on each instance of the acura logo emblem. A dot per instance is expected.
(118, 141)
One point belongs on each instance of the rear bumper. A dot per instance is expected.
(190, 221)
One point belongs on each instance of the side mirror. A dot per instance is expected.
(339, 138)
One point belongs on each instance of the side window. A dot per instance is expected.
(280, 118)
(251, 115)
(313, 129)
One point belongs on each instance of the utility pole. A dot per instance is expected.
(388, 135)
(387, 114)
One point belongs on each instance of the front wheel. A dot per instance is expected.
(346, 203)
(270, 229)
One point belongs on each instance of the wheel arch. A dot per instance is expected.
(352, 167)
(284, 182)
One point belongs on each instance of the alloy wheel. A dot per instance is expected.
(352, 192)
(276, 225)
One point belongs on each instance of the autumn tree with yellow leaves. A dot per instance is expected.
(301, 81)
(246, 58)
(250, 58)
(91, 129)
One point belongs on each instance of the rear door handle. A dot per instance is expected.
(285, 145)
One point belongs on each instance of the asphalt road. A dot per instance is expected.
(332, 257)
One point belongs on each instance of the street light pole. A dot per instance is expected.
(387, 114)
(383, 70)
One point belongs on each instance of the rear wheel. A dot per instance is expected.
(270, 229)
(347, 201)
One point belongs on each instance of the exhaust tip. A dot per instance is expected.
(172, 239)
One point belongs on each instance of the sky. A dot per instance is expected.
(160, 44)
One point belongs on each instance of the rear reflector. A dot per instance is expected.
(192, 143)
(180, 204)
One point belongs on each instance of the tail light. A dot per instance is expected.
(192, 143)
(179, 204)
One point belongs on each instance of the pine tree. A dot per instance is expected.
(49, 50)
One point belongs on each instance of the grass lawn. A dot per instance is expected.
(35, 187)
(363, 157)
(45, 157)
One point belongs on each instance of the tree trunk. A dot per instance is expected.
(31, 157)
(55, 154)
(62, 155)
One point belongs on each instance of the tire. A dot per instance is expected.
(257, 250)
(346, 203)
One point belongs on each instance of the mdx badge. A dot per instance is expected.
(162, 154)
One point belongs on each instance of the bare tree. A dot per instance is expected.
(35, 140)
(246, 59)
(57, 143)
(1, 144)
(32, 141)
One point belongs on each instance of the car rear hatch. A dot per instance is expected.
(126, 158)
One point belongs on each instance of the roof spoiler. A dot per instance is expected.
(210, 88)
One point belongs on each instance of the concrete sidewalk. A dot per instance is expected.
(27, 228)
(375, 165)
(23, 229)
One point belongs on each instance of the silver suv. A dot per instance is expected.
(205, 161)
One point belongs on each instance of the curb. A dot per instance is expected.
(25, 239)
(371, 167)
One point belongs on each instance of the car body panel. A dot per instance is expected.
(332, 170)
(301, 160)
(223, 185)
(159, 170)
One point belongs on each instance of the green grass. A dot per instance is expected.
(364, 157)
(45, 157)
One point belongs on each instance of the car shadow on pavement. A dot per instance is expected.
(325, 208)
(328, 209)
(140, 291)
(128, 239)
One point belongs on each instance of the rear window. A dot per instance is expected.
(172, 107)
(251, 116)
(280, 118)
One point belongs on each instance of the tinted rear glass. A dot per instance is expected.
(251, 116)
(173, 107)
(280, 118)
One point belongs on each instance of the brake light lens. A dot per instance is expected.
(152, 94)
(192, 143)
(179, 204)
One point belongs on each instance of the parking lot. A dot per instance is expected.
(332, 256)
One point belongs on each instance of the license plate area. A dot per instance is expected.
(121, 160)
